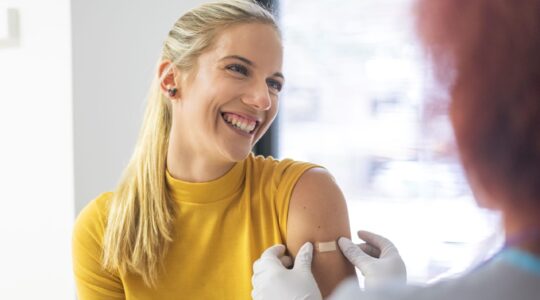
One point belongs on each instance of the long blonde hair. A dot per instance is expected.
(141, 212)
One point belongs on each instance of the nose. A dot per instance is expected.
(258, 97)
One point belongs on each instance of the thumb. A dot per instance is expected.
(304, 257)
(354, 254)
(370, 250)
(385, 246)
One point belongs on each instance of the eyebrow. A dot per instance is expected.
(250, 63)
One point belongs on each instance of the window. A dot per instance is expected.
(356, 102)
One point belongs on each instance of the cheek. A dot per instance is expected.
(201, 108)
(481, 195)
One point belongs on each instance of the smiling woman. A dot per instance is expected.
(195, 208)
(235, 87)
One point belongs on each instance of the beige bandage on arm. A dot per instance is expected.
(326, 246)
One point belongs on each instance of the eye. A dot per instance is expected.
(237, 68)
(274, 85)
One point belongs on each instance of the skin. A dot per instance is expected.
(318, 213)
(516, 220)
(241, 74)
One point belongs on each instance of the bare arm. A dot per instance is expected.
(318, 213)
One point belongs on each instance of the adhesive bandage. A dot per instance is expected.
(326, 246)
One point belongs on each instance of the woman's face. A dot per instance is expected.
(230, 98)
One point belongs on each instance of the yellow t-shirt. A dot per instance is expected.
(221, 228)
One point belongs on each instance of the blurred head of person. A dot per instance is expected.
(487, 52)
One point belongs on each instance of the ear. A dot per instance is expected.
(169, 76)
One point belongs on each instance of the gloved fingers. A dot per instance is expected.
(274, 251)
(263, 276)
(286, 261)
(278, 251)
(383, 244)
(304, 257)
(354, 254)
(370, 250)
(266, 265)
(257, 293)
(266, 270)
(269, 259)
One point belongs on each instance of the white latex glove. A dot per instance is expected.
(378, 260)
(271, 280)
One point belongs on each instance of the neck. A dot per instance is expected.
(523, 231)
(188, 165)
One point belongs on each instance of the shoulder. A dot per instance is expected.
(95, 209)
(318, 211)
(92, 280)
(279, 178)
(92, 219)
(88, 232)
(278, 170)
(316, 193)
(349, 290)
(494, 281)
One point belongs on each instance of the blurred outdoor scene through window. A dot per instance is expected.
(359, 100)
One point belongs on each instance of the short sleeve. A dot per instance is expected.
(287, 174)
(92, 281)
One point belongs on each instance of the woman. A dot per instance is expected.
(487, 53)
(195, 208)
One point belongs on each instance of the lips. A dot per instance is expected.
(240, 122)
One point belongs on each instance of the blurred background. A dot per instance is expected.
(359, 100)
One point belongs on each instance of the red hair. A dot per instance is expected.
(488, 52)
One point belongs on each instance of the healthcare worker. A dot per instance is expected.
(487, 52)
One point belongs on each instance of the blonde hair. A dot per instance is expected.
(141, 212)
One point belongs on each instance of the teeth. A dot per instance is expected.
(241, 124)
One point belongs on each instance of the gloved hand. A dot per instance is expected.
(271, 280)
(378, 260)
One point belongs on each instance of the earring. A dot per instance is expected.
(172, 92)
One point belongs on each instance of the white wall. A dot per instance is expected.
(116, 45)
(36, 157)
(71, 100)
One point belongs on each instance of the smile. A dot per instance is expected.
(240, 123)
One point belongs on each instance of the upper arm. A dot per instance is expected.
(92, 281)
(318, 213)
